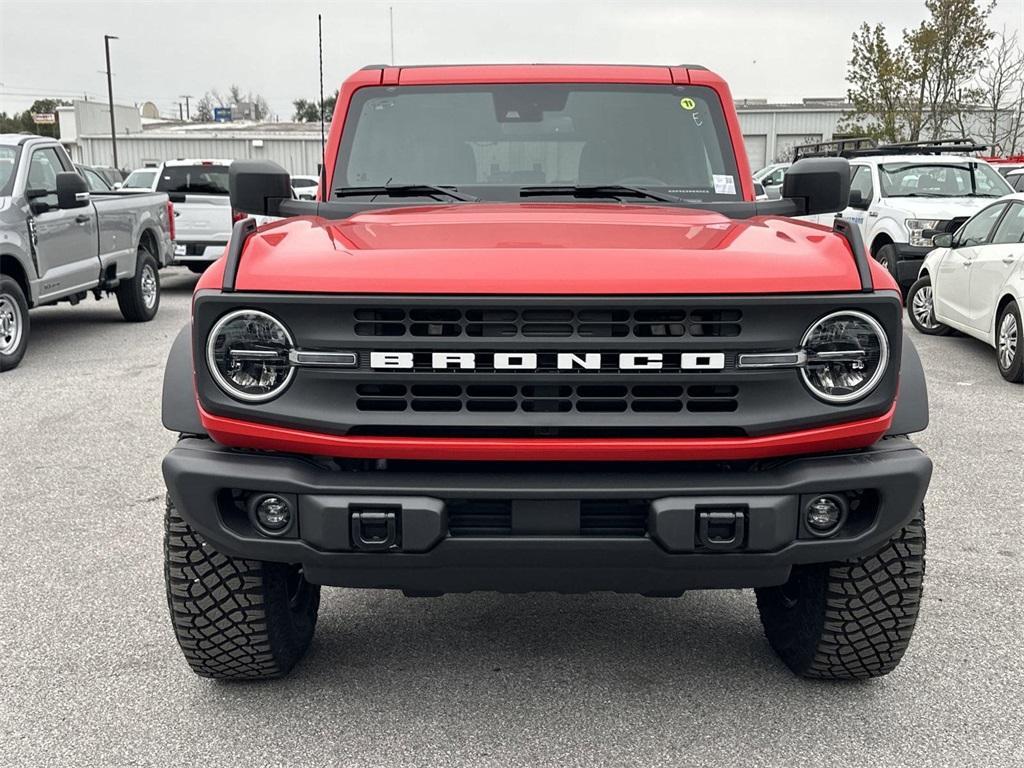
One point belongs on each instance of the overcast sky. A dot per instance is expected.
(775, 49)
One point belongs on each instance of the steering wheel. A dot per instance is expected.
(642, 181)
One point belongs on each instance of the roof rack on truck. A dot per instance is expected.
(834, 148)
(865, 147)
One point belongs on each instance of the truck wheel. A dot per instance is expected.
(1008, 344)
(197, 269)
(235, 619)
(139, 297)
(13, 323)
(887, 256)
(921, 302)
(851, 619)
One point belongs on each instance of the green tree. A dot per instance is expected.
(879, 90)
(22, 122)
(947, 52)
(927, 83)
(309, 111)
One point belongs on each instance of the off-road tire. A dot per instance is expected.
(850, 619)
(15, 325)
(1015, 370)
(233, 618)
(139, 297)
(916, 290)
(198, 269)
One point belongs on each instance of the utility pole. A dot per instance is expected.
(110, 96)
(188, 115)
(180, 118)
(391, 20)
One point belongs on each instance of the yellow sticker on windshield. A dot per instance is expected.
(687, 103)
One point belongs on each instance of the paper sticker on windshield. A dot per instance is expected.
(724, 184)
(687, 103)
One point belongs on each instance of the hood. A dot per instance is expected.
(544, 248)
(942, 208)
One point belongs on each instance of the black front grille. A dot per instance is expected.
(485, 517)
(546, 398)
(554, 322)
(545, 366)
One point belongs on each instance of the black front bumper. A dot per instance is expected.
(528, 527)
(909, 259)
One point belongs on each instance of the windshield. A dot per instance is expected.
(495, 139)
(140, 179)
(941, 180)
(196, 179)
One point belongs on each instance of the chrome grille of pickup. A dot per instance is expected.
(554, 322)
(546, 398)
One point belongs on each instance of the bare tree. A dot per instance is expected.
(1001, 84)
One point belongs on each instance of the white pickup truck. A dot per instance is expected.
(59, 241)
(203, 216)
(902, 195)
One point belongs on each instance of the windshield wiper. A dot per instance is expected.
(406, 190)
(614, 191)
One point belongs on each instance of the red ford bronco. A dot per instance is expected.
(537, 334)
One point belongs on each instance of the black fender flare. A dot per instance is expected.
(178, 409)
(912, 400)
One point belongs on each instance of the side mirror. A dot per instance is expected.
(118, 185)
(943, 240)
(258, 186)
(857, 200)
(822, 183)
(72, 191)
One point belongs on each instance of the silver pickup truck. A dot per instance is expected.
(59, 242)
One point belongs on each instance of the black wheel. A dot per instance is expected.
(139, 297)
(887, 256)
(920, 302)
(1008, 344)
(850, 619)
(197, 269)
(235, 619)
(13, 323)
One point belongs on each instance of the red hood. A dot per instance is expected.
(544, 248)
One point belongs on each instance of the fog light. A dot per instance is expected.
(824, 515)
(273, 513)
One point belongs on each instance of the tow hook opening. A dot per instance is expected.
(721, 530)
(375, 530)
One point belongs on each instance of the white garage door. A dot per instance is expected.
(756, 147)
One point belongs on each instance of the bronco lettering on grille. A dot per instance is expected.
(562, 361)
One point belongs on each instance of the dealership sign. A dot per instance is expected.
(44, 118)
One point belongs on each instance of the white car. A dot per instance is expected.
(770, 177)
(140, 178)
(901, 196)
(974, 283)
(305, 187)
(202, 209)
(1016, 180)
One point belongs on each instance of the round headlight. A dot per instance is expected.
(847, 353)
(247, 352)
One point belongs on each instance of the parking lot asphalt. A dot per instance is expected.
(91, 674)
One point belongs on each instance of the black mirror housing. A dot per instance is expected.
(822, 183)
(943, 240)
(72, 191)
(258, 186)
(857, 200)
